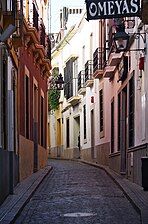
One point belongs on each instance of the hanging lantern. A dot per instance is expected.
(121, 39)
(59, 82)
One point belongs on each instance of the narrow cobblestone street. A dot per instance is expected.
(76, 193)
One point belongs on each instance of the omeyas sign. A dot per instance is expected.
(103, 9)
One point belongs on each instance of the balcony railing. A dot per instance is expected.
(8, 5)
(42, 34)
(35, 17)
(71, 88)
(48, 48)
(81, 79)
(99, 59)
(88, 70)
(12, 13)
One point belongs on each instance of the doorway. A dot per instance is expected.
(92, 136)
(76, 135)
(58, 137)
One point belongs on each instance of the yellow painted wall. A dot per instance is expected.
(43, 157)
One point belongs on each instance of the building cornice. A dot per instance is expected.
(31, 42)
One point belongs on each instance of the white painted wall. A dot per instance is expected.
(74, 47)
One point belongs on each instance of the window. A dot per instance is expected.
(131, 111)
(83, 55)
(68, 78)
(67, 133)
(119, 118)
(101, 110)
(58, 132)
(91, 46)
(3, 89)
(75, 77)
(35, 104)
(42, 34)
(98, 59)
(123, 68)
(9, 5)
(35, 17)
(27, 109)
(112, 126)
(42, 123)
(122, 118)
(84, 117)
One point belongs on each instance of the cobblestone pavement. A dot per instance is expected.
(76, 193)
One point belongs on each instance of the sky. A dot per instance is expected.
(56, 5)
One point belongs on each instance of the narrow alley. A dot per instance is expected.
(74, 192)
(73, 112)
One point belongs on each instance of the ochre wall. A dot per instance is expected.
(26, 152)
(42, 157)
(26, 157)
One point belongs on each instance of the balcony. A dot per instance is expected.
(66, 106)
(109, 71)
(81, 83)
(11, 13)
(48, 48)
(42, 34)
(98, 63)
(89, 73)
(35, 17)
(115, 58)
(74, 98)
(8, 12)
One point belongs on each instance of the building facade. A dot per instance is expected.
(103, 107)
(25, 68)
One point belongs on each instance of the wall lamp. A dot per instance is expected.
(59, 82)
(121, 40)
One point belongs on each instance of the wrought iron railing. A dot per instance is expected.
(81, 79)
(42, 33)
(71, 88)
(88, 70)
(35, 17)
(48, 48)
(99, 59)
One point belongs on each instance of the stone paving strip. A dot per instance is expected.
(14, 204)
(135, 193)
(22, 193)
(77, 193)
